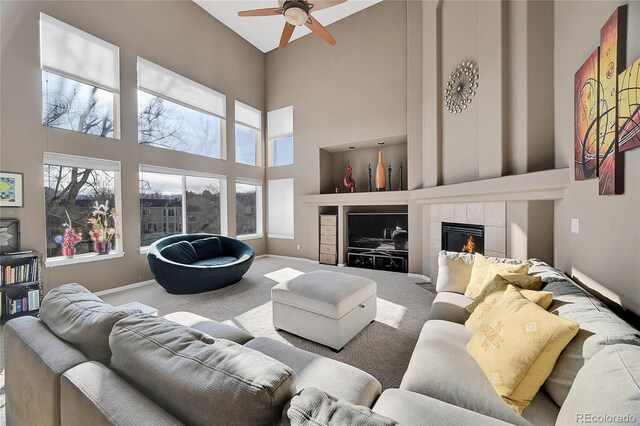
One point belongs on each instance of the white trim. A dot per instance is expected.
(123, 288)
(282, 237)
(144, 250)
(147, 168)
(424, 277)
(249, 236)
(81, 258)
(66, 160)
(261, 256)
(277, 256)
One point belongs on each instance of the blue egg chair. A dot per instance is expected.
(216, 262)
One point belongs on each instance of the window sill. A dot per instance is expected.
(144, 250)
(249, 236)
(282, 237)
(81, 258)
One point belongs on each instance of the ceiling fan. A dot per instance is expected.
(296, 13)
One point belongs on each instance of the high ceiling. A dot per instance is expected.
(264, 32)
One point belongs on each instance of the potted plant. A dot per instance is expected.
(69, 239)
(103, 230)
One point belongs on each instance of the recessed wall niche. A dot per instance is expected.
(333, 163)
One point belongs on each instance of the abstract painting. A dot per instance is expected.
(586, 98)
(629, 108)
(612, 62)
(10, 189)
(9, 235)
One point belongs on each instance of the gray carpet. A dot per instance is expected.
(382, 349)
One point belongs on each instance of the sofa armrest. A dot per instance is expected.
(91, 394)
(34, 360)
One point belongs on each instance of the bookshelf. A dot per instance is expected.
(20, 284)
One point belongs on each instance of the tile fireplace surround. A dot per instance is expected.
(490, 214)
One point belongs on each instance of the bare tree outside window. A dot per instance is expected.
(246, 209)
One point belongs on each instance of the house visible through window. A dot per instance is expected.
(72, 186)
(280, 127)
(248, 134)
(248, 208)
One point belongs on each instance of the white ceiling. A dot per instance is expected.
(264, 31)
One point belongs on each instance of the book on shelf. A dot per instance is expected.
(25, 272)
(24, 303)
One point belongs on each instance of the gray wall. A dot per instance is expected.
(177, 35)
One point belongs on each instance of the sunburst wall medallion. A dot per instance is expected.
(461, 87)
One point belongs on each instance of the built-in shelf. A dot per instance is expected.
(358, 199)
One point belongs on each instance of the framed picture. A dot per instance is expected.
(9, 235)
(11, 189)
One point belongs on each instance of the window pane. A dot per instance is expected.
(71, 105)
(246, 142)
(161, 206)
(75, 191)
(282, 151)
(203, 205)
(166, 124)
(246, 205)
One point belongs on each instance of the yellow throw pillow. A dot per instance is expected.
(517, 346)
(482, 310)
(500, 282)
(480, 270)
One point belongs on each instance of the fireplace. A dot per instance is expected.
(462, 237)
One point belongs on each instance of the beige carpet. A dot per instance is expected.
(382, 349)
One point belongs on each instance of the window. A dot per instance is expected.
(280, 128)
(248, 134)
(166, 192)
(179, 114)
(248, 208)
(80, 80)
(280, 207)
(72, 185)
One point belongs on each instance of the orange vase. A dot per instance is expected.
(381, 174)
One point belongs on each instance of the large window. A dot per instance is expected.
(280, 208)
(280, 126)
(248, 134)
(80, 80)
(248, 208)
(179, 114)
(175, 202)
(72, 186)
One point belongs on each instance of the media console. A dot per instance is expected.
(378, 241)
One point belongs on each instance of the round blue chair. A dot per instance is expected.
(203, 274)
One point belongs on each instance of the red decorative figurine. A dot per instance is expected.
(349, 183)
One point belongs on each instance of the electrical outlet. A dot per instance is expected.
(575, 225)
(298, 247)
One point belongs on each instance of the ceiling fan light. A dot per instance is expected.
(295, 16)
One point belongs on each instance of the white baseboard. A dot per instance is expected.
(423, 277)
(123, 288)
(277, 256)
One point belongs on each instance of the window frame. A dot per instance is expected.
(184, 174)
(259, 208)
(274, 135)
(68, 160)
(258, 139)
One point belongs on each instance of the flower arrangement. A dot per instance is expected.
(103, 229)
(69, 239)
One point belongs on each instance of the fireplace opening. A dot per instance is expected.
(463, 237)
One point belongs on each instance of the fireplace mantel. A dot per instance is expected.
(544, 185)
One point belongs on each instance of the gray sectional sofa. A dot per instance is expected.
(185, 369)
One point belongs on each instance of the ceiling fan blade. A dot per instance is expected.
(323, 4)
(287, 31)
(262, 12)
(317, 28)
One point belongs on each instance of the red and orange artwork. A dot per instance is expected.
(629, 108)
(586, 98)
(612, 58)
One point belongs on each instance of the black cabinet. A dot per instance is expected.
(382, 260)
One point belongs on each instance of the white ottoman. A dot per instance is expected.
(326, 307)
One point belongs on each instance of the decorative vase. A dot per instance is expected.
(68, 252)
(102, 247)
(381, 174)
(349, 183)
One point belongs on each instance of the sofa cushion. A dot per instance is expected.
(215, 329)
(81, 318)
(608, 387)
(207, 248)
(216, 261)
(483, 265)
(449, 306)
(517, 346)
(546, 272)
(197, 378)
(441, 368)
(312, 407)
(410, 408)
(599, 328)
(501, 282)
(343, 381)
(454, 271)
(180, 252)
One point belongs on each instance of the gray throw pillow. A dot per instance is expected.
(180, 252)
(312, 407)
(199, 379)
(207, 248)
(79, 317)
